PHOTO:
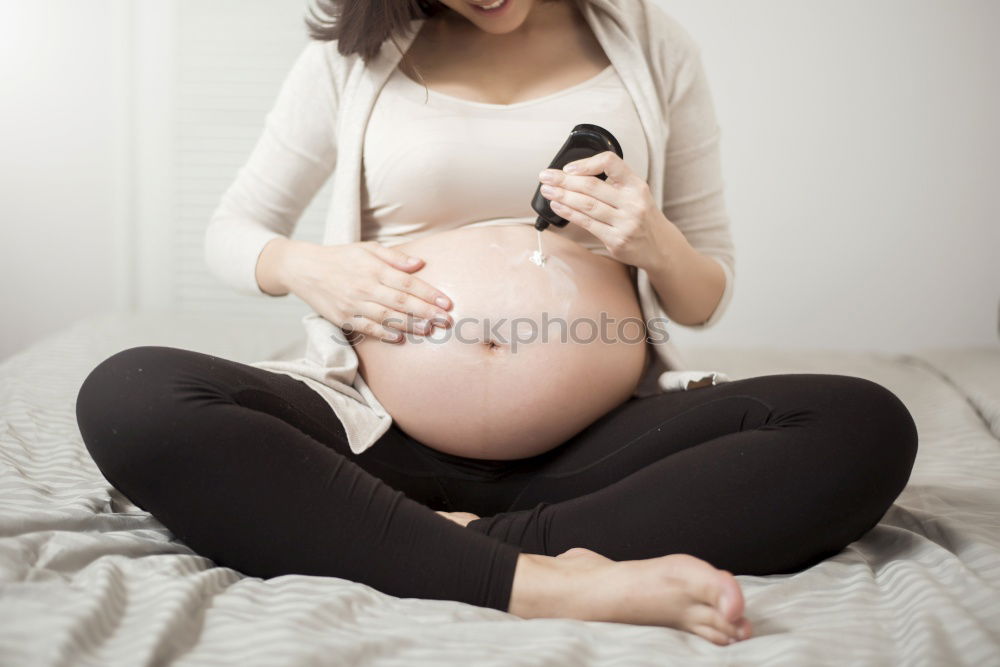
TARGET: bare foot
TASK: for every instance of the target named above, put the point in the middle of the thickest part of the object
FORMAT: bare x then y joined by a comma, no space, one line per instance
461,518
677,591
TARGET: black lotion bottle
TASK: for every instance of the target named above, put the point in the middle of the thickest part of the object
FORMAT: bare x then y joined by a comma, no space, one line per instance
585,140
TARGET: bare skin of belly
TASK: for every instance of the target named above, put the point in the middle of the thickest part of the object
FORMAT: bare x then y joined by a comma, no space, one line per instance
494,385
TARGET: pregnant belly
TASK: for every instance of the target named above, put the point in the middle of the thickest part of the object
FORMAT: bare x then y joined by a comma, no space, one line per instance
536,353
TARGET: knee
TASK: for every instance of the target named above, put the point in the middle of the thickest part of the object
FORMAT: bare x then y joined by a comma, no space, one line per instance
118,382
880,429
116,402
883,414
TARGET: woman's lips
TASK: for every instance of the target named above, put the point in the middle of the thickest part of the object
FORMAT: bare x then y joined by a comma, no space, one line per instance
502,8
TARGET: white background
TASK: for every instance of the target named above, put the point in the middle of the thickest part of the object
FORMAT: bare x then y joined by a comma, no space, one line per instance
860,150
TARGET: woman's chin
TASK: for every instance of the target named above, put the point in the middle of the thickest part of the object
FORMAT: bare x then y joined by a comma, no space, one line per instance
535,354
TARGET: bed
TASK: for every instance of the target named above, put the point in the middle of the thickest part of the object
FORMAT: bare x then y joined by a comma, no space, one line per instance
86,577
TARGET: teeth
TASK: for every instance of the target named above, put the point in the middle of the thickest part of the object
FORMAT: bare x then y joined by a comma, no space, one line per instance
494,5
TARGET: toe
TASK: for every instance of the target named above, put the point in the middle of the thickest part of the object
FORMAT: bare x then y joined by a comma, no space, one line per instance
575,551
730,600
707,616
711,586
743,629
711,634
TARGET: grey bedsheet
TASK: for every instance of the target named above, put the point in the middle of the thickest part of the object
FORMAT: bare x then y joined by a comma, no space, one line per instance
88,578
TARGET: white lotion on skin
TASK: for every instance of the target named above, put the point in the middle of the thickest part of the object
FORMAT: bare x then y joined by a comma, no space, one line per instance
537,257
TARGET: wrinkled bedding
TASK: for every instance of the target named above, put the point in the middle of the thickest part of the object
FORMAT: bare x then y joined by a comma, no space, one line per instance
86,577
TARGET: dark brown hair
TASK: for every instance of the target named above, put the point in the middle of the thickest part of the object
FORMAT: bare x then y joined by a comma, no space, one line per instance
361,26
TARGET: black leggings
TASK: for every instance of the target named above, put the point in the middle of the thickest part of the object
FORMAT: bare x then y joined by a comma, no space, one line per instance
252,469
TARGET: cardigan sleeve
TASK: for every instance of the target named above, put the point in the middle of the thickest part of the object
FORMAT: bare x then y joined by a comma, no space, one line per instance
692,181
293,157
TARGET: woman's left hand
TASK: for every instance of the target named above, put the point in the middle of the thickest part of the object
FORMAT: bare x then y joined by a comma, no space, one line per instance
619,211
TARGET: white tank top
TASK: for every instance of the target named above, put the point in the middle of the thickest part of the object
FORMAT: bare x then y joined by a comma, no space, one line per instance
433,162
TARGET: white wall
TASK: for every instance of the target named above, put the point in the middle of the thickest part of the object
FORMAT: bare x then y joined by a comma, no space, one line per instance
859,151
62,96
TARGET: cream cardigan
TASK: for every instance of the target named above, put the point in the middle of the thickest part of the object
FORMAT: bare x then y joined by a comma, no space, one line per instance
316,128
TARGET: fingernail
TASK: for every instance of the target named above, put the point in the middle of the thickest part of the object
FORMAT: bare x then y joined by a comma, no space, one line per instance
570,168
443,302
413,261
440,321
546,176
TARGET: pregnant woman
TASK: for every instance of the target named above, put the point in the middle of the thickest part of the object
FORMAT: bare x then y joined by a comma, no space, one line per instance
473,421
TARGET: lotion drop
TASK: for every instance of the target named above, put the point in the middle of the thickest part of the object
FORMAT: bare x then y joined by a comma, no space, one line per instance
537,257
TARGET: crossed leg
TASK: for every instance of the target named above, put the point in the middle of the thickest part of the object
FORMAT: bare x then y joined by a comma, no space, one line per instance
763,475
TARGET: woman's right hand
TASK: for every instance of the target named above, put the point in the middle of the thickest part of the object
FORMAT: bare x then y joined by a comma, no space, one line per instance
361,287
